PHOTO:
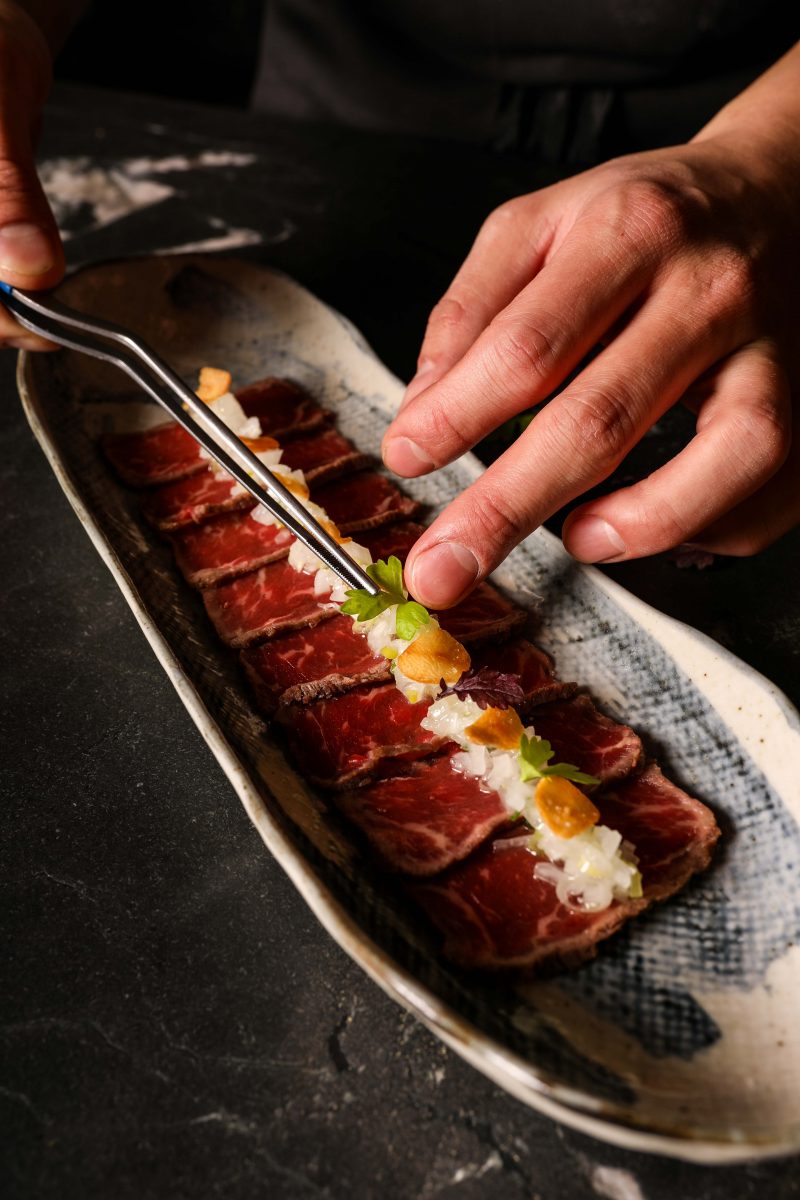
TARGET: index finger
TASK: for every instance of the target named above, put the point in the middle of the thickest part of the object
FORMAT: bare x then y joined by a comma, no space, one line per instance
526,351
572,444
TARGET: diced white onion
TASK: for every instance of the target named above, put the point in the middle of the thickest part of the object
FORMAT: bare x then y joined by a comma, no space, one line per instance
327,581
588,870
231,413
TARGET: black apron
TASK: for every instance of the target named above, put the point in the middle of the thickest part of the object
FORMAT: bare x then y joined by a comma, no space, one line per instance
572,81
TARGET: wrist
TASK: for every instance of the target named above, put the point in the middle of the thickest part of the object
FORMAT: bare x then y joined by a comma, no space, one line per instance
759,163
760,128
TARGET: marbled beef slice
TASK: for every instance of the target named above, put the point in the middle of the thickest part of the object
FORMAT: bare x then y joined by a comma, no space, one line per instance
494,913
166,452
427,818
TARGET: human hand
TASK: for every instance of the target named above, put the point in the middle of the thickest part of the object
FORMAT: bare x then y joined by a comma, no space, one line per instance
683,264
31,255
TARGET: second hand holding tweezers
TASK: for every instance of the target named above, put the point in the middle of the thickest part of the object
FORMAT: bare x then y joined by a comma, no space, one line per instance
42,314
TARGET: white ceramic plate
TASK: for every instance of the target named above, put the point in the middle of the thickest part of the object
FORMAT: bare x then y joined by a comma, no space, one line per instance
682,1036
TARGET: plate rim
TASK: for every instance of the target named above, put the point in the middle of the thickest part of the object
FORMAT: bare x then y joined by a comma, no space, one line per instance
605,1120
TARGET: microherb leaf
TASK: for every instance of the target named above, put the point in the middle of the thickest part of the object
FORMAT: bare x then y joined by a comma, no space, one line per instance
410,617
361,605
568,771
488,688
535,754
388,574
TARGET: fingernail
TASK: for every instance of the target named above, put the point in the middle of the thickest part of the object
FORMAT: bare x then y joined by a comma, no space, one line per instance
591,539
26,249
442,575
405,457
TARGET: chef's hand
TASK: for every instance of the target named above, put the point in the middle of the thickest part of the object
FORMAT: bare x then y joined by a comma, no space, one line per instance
684,264
31,255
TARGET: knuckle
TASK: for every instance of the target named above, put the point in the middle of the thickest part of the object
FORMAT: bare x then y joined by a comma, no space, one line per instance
650,211
496,521
446,315
593,427
723,286
501,220
736,269
442,432
660,526
523,354
762,431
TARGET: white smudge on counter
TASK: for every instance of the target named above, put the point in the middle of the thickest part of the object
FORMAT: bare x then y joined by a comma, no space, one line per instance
110,193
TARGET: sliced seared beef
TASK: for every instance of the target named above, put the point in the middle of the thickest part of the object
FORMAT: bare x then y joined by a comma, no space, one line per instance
585,736
334,657
358,502
351,736
425,819
494,913
323,456
276,598
154,456
284,408
233,543
167,452
265,602
333,758
365,500
420,815
226,546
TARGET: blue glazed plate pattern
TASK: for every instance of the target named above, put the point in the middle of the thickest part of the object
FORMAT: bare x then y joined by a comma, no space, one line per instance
681,1036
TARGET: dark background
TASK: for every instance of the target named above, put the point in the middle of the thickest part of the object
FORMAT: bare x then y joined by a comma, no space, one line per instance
204,51
175,1022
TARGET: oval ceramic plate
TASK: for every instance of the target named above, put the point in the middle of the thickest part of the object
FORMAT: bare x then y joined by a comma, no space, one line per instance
681,1037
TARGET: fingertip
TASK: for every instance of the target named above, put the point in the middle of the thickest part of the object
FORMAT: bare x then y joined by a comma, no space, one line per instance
443,574
405,457
30,255
591,539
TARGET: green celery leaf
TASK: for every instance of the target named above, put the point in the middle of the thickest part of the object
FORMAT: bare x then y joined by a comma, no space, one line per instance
363,607
410,616
389,576
534,753
568,771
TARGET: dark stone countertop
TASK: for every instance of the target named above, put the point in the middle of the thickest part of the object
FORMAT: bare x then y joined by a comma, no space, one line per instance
174,1020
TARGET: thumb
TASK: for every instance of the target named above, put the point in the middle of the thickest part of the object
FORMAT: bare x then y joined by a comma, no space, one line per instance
31,255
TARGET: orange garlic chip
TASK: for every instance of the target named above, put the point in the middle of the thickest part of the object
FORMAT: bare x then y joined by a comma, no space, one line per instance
213,384
563,807
333,529
295,486
500,727
433,655
260,444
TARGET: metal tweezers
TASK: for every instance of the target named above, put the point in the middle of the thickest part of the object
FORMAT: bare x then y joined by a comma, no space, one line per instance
42,314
